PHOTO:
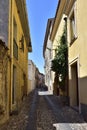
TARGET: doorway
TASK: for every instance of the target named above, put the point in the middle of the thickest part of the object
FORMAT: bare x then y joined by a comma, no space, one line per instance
74,84
14,86
25,85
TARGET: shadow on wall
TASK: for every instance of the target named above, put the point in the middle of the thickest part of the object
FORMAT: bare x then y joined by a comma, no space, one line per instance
78,94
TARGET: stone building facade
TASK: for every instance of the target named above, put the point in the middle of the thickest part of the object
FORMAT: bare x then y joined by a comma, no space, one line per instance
76,19
14,32
31,75
3,81
77,48
56,33
47,54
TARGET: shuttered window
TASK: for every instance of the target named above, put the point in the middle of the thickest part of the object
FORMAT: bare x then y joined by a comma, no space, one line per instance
15,46
15,49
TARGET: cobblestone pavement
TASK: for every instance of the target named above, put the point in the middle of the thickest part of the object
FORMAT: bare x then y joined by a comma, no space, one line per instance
21,121
66,117
41,112
45,116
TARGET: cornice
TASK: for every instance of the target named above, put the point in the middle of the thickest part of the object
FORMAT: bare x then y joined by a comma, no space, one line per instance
69,5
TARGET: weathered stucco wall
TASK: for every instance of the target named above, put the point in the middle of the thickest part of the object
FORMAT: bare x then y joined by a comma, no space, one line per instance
4,15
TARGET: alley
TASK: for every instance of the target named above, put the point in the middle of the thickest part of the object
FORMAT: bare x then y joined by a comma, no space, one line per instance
41,112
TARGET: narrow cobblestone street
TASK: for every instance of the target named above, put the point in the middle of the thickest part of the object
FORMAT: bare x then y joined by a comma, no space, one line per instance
41,112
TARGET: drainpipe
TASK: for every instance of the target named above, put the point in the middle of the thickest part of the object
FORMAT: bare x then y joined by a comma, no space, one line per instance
65,19
11,52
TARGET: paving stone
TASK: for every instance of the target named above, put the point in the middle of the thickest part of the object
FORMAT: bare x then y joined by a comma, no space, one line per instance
41,112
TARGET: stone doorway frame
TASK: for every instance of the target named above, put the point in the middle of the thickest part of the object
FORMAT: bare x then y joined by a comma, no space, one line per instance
76,59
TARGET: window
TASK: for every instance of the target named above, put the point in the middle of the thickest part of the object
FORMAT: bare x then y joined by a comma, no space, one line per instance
15,46
72,19
72,26
15,49
14,30
22,43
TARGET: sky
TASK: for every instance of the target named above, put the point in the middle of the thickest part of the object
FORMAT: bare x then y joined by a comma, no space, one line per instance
39,11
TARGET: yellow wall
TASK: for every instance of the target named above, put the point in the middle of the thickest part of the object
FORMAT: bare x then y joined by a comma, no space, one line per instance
57,39
78,50
21,64
15,10
58,34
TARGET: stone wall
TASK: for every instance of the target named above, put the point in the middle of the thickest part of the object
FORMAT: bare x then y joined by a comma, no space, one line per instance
3,82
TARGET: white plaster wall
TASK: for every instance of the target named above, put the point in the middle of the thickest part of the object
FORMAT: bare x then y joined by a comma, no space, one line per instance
31,75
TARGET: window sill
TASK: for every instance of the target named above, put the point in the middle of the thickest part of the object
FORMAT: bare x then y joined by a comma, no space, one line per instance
73,40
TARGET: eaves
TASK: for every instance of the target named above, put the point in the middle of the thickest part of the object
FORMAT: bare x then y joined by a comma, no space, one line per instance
21,6
59,13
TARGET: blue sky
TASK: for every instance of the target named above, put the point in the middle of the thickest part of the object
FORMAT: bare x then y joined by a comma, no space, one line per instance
38,13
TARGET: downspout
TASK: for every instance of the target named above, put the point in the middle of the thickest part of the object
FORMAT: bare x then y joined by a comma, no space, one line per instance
67,91
11,53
